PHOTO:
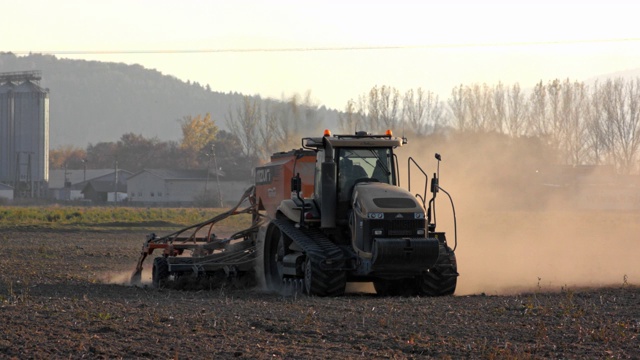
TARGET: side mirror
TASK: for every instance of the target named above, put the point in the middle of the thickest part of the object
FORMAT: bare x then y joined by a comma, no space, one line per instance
435,184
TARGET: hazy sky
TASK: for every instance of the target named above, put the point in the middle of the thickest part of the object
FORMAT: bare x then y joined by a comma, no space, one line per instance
336,49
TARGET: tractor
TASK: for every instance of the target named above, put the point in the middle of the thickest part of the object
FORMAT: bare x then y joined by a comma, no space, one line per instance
329,213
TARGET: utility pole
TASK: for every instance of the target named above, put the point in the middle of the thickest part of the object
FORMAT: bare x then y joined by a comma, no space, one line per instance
115,183
215,163
67,184
84,170
206,183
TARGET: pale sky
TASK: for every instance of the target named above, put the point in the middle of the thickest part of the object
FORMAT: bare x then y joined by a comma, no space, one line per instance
338,50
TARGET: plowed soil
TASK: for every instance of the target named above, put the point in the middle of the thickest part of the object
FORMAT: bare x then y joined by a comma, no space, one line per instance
64,294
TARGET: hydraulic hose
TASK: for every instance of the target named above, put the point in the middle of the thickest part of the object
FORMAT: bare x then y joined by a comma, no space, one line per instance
455,226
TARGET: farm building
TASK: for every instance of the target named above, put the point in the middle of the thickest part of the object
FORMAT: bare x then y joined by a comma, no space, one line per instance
69,184
6,192
182,187
102,191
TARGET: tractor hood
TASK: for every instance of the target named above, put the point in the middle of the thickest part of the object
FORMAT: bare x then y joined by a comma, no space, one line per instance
376,197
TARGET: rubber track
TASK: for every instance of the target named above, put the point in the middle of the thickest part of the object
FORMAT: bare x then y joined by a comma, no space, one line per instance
315,244
442,278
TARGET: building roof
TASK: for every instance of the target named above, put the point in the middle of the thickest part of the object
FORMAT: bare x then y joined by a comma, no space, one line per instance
5,187
104,186
180,174
57,176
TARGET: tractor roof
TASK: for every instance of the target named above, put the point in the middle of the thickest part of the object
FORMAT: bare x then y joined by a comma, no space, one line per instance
359,139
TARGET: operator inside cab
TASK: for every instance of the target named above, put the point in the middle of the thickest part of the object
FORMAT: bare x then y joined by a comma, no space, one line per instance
360,165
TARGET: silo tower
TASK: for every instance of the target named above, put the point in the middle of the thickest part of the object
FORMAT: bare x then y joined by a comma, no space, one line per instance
24,133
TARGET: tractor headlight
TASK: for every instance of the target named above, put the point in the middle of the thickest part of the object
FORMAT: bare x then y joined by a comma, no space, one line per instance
418,215
377,232
420,232
375,215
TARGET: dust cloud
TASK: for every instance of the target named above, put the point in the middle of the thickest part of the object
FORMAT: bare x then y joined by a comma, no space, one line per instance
124,277
514,233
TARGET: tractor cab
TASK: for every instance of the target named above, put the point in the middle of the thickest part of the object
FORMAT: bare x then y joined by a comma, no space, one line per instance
362,165
344,161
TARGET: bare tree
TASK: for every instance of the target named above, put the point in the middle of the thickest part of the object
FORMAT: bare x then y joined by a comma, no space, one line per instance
288,121
298,116
473,99
538,110
598,133
621,106
555,129
499,113
351,120
244,123
422,111
373,107
293,113
310,113
516,123
378,110
481,107
413,112
271,133
389,107
434,109
574,104
458,107
545,113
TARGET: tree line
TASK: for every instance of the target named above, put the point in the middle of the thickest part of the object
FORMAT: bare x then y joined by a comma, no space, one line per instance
201,141
257,129
579,124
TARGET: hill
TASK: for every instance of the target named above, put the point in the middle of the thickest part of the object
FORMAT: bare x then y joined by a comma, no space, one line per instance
92,101
626,74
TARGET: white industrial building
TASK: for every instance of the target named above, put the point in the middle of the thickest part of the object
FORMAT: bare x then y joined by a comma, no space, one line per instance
182,187
72,185
6,193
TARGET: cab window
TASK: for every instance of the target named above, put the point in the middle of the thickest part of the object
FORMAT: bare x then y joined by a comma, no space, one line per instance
368,164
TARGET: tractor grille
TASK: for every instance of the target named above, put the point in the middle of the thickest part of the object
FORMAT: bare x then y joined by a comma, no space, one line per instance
401,228
398,227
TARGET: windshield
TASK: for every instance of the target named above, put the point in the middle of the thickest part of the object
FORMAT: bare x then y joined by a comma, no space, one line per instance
353,164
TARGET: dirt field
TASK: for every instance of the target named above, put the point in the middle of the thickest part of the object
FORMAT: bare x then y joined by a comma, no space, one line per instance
63,295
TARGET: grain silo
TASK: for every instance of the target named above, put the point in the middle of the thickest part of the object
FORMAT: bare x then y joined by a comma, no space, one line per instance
24,133
6,131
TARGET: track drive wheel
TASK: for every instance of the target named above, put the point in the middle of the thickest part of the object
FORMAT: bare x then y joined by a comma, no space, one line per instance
320,282
441,279
160,271
275,248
